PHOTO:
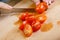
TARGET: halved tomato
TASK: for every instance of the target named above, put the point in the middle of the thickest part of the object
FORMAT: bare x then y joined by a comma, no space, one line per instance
40,8
23,16
36,26
27,30
31,19
45,4
41,18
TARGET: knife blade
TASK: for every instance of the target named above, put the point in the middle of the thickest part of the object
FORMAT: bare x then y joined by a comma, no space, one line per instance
16,10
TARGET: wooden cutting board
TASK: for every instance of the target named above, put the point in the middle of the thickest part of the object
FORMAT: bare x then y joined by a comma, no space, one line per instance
8,31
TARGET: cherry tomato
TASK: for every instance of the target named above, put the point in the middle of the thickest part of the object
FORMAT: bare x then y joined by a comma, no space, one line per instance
30,19
45,4
27,30
42,18
40,8
23,16
36,26
23,25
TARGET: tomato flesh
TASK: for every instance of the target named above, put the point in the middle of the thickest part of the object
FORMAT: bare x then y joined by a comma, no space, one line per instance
40,8
36,26
23,16
27,30
31,19
42,18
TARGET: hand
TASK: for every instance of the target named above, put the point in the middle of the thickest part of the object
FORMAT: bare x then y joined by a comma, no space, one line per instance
5,6
47,1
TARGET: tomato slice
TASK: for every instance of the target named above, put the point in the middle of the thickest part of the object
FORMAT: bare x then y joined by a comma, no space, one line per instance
31,19
27,30
41,18
45,4
23,16
40,8
36,26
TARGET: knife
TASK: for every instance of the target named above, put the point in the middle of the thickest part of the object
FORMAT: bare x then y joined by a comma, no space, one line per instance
5,12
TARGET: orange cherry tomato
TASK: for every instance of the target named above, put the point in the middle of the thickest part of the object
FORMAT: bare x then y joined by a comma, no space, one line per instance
36,26
40,8
42,18
27,30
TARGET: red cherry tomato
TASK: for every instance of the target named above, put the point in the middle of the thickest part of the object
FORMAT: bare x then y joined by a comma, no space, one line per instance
27,30
42,18
36,26
23,16
40,8
30,19
23,25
